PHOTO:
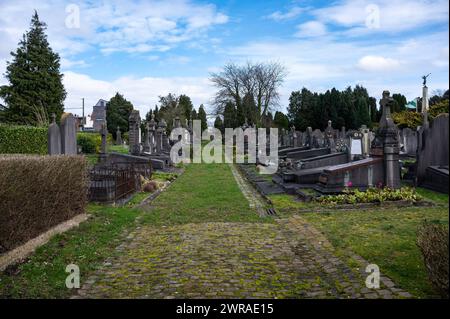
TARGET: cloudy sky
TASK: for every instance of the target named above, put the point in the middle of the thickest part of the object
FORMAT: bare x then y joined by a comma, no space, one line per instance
144,49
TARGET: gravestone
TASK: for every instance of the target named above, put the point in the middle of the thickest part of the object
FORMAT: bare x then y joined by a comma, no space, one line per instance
409,139
386,143
151,131
318,138
134,134
433,146
356,145
119,137
147,138
54,138
104,134
68,134
329,137
365,140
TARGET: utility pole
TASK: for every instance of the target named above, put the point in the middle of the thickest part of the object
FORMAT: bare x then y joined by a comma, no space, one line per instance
83,119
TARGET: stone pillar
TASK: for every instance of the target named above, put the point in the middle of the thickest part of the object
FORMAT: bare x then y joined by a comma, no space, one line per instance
424,99
309,137
68,134
54,137
134,133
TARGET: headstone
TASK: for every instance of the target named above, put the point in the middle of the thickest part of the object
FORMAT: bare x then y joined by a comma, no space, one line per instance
54,138
356,144
151,136
365,140
119,137
147,138
134,133
386,143
329,137
104,134
68,134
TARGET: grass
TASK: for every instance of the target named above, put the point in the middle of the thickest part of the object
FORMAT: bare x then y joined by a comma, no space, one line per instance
43,275
118,149
386,237
205,192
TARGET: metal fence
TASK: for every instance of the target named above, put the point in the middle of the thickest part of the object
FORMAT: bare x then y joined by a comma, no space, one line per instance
114,182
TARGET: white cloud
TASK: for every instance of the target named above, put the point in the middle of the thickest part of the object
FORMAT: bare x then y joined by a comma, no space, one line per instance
311,29
142,92
394,15
290,14
377,63
113,25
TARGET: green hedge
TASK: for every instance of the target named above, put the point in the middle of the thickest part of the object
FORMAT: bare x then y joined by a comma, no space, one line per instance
16,139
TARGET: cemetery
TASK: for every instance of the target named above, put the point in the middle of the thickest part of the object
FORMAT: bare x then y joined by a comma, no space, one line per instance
111,197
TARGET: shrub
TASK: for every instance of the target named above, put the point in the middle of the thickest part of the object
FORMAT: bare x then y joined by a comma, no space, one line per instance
37,193
90,143
15,139
432,240
413,119
371,195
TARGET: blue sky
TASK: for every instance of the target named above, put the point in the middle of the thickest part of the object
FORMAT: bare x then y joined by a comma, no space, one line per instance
148,48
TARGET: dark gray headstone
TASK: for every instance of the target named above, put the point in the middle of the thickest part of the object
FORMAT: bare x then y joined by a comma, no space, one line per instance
54,138
68,134
134,134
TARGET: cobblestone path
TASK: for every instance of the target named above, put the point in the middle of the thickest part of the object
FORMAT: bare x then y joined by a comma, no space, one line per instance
286,258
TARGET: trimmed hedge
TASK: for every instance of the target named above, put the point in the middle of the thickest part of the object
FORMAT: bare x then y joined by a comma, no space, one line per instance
16,139
37,193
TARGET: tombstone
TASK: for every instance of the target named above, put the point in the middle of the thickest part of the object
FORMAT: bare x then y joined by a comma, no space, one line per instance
119,137
386,143
54,137
151,134
134,134
104,134
329,138
318,138
433,147
365,140
146,146
356,145
293,137
68,134
409,139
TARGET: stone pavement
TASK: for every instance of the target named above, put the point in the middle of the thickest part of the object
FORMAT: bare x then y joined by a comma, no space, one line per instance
285,259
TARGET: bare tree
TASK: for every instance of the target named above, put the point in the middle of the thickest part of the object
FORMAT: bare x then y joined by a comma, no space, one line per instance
260,80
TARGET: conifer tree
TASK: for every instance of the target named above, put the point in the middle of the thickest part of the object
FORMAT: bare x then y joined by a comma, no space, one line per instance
35,89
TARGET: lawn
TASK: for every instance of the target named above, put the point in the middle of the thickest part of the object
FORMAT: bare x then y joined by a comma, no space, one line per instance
204,193
386,237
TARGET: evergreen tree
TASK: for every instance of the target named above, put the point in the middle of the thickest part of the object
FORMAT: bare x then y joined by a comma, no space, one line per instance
218,124
281,120
229,115
202,117
240,115
35,89
399,103
186,105
118,110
